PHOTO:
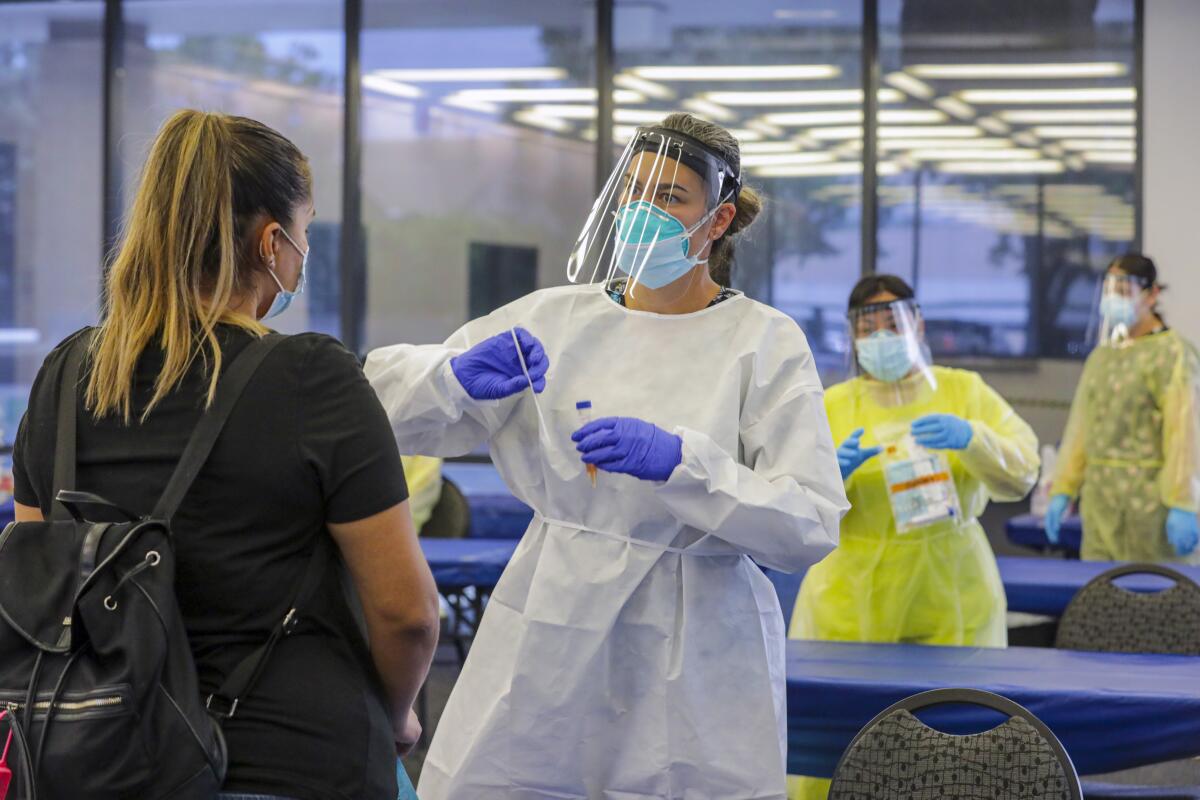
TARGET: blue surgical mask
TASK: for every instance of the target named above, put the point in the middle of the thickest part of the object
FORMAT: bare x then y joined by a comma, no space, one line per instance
884,355
284,298
655,242
1119,310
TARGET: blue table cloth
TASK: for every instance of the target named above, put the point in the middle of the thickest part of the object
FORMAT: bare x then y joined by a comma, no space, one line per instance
1033,585
1029,531
458,563
495,513
1046,585
1093,790
1111,711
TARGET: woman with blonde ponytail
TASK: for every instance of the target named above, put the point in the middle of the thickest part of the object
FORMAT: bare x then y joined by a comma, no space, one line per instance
215,244
632,648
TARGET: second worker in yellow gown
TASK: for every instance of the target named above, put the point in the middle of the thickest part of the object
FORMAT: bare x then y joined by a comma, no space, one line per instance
931,585
1131,451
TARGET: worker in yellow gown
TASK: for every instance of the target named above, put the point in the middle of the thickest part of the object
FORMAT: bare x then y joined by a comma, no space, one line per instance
1131,451
424,477
933,583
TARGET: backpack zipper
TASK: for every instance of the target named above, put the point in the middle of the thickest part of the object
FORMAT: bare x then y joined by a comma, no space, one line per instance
82,705
70,705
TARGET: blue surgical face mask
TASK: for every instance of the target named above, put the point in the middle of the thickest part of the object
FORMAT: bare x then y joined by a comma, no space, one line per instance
652,245
884,355
284,298
1119,310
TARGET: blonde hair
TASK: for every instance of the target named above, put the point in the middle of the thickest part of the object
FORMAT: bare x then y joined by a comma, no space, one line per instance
749,202
184,255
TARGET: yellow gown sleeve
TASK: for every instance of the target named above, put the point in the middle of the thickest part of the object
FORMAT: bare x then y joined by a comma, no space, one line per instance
1179,481
424,477
1003,452
1072,457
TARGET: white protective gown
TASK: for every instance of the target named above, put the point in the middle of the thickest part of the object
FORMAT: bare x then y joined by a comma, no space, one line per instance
631,649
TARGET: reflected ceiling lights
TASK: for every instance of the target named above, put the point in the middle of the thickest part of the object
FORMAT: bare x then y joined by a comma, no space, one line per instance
648,88
1018,96
769,159
972,143
1109,157
560,95
806,119
529,117
1000,167
909,85
997,154
817,170
475,75
779,72
898,132
623,133
1081,131
769,147
1036,116
1106,69
1098,144
708,109
820,97
388,86
635,116
955,108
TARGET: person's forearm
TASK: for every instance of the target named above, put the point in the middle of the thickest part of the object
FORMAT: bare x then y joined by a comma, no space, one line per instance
402,655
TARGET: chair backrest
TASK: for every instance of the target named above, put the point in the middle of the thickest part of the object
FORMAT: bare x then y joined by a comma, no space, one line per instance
1106,618
898,757
451,516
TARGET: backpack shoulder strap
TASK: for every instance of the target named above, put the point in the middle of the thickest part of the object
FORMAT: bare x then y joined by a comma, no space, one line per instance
64,435
223,703
229,389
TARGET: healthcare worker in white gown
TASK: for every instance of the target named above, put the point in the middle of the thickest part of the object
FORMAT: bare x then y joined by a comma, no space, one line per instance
632,649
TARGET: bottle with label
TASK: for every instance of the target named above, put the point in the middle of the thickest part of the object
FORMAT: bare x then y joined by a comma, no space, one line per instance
920,483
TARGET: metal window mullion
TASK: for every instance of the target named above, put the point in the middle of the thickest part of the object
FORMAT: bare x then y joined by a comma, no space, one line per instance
352,299
604,89
870,84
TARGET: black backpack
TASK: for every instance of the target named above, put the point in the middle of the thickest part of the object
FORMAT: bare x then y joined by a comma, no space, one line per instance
96,674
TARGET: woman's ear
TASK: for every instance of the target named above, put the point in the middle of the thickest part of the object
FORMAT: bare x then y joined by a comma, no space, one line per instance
266,244
722,219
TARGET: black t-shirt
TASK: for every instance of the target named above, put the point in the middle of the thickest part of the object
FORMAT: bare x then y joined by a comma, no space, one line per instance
307,443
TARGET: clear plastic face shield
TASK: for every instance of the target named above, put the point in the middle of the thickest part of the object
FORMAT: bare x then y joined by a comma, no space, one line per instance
651,228
1124,299
889,347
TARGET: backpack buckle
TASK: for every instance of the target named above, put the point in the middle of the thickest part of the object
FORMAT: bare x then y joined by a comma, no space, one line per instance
222,713
290,621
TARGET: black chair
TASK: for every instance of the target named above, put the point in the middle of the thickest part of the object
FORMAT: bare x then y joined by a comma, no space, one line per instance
1103,617
897,756
451,516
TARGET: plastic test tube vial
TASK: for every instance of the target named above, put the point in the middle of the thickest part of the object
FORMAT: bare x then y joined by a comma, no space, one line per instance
584,409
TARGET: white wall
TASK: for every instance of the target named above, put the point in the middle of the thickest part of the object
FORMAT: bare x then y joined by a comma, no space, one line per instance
1172,162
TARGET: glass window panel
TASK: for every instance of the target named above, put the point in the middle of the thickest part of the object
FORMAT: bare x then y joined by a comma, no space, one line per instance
277,61
50,187
478,155
785,77
1004,208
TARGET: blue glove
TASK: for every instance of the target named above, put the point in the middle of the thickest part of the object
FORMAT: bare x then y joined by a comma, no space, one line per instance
1183,531
942,432
491,369
632,446
851,455
1054,515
